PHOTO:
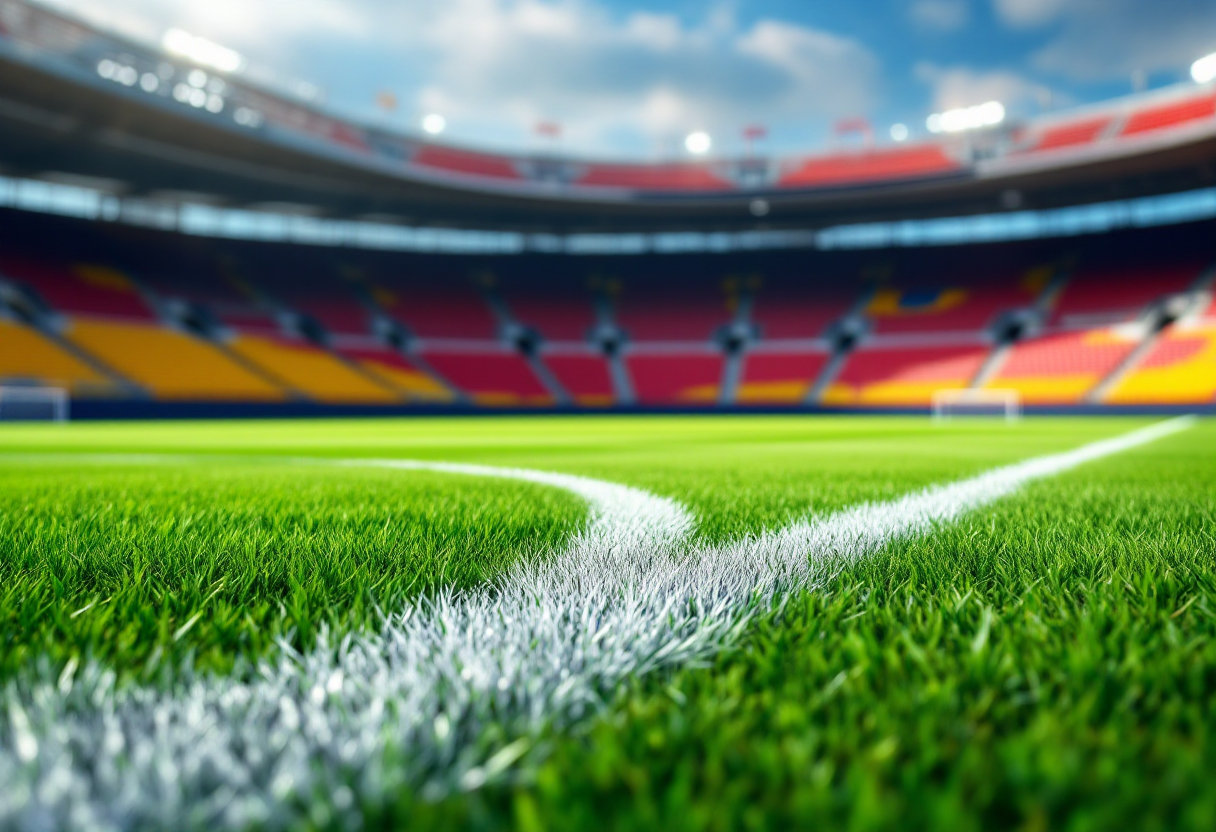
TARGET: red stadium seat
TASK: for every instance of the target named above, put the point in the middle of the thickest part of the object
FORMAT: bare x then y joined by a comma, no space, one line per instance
779,377
1072,134
904,376
583,375
1170,115
492,376
675,378
654,177
466,162
869,166
78,289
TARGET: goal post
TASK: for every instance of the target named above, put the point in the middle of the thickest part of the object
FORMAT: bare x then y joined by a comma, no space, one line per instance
950,404
34,404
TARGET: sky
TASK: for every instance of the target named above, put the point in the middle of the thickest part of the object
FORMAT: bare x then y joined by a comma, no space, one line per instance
630,80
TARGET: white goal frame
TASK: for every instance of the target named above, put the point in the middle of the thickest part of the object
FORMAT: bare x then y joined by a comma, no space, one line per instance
948,404
25,399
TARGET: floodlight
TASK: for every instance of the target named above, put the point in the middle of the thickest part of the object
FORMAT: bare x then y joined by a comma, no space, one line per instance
899,132
202,51
1204,69
967,118
434,124
698,143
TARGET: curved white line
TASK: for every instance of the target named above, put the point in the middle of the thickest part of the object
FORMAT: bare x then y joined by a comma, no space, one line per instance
448,683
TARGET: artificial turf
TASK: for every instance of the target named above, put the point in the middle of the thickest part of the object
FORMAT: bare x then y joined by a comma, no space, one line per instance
1046,663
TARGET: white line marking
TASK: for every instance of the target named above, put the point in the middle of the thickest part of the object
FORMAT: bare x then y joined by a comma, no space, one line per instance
543,647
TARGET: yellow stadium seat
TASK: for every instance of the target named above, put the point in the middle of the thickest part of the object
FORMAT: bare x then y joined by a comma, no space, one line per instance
28,355
1180,369
417,385
312,371
170,364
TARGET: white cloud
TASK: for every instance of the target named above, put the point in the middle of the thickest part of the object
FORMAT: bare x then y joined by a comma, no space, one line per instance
1097,40
958,86
940,15
1026,14
490,63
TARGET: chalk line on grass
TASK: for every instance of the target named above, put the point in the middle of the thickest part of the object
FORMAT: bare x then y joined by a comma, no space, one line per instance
449,693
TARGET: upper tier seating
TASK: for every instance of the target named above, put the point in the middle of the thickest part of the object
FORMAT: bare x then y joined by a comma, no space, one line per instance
491,375
170,364
954,308
396,371
312,371
1062,368
1114,293
674,308
672,177
560,310
904,376
583,374
675,378
787,309
437,306
26,355
869,166
1072,134
1170,115
468,162
78,289
779,377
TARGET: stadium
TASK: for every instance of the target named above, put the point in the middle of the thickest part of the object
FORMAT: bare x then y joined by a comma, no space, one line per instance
353,476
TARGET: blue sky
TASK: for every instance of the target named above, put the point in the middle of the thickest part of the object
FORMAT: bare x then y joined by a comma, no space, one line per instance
628,79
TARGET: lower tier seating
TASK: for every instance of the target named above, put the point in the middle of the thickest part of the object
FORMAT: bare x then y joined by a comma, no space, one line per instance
583,375
779,377
675,378
311,371
397,371
170,364
1179,369
491,375
1062,368
904,376
27,356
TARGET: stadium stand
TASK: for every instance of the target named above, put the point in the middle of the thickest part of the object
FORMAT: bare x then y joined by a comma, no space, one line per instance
396,370
438,300
671,177
871,165
779,376
670,305
583,373
1062,368
29,357
491,375
311,371
557,307
170,364
1180,368
1071,134
671,377
761,329
1169,115
466,162
786,306
905,375
78,289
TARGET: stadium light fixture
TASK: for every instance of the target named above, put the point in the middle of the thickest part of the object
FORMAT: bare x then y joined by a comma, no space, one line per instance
698,143
967,118
1204,69
434,124
899,132
202,51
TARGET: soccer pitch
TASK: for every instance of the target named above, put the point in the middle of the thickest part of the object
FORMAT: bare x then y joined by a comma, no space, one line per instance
609,623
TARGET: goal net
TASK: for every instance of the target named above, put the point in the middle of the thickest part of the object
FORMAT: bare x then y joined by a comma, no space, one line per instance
950,404
33,404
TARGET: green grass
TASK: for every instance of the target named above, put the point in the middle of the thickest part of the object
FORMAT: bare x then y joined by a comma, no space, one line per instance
1047,663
